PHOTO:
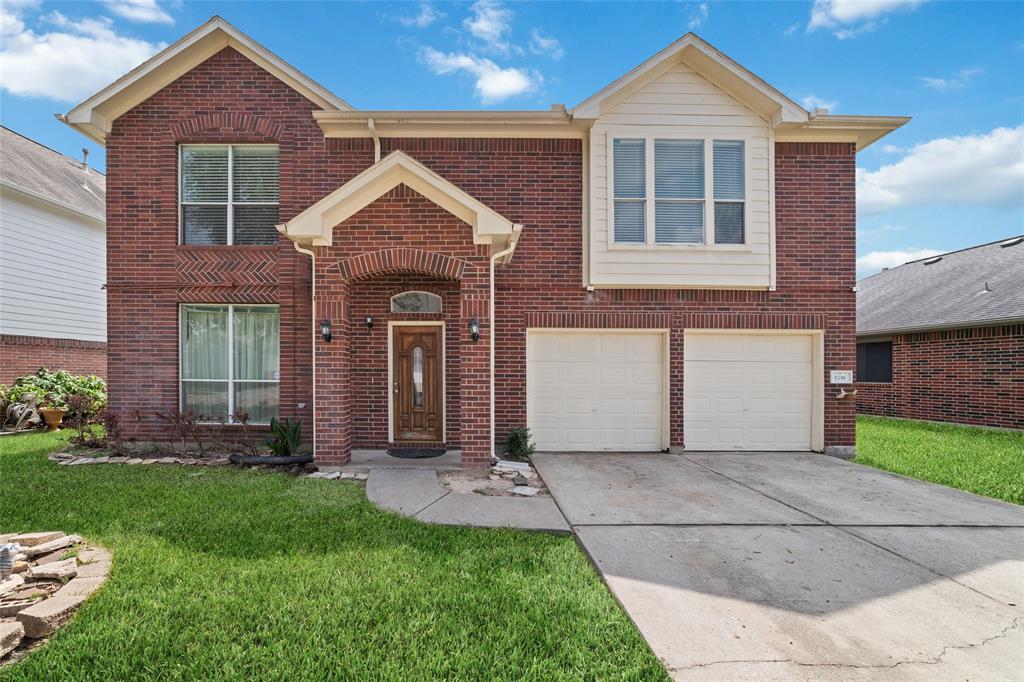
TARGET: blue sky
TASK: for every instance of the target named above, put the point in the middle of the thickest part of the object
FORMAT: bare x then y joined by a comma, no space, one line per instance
951,178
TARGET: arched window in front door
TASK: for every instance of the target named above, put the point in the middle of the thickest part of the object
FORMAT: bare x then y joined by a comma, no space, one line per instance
415,302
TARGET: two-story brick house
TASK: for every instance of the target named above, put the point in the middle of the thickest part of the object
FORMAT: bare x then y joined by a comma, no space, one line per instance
667,265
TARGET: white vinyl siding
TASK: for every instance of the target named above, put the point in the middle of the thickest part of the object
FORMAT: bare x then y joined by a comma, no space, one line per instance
229,194
52,271
230,362
682,105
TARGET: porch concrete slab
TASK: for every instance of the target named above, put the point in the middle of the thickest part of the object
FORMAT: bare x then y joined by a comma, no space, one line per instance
777,602
377,459
845,493
484,511
988,560
653,489
406,491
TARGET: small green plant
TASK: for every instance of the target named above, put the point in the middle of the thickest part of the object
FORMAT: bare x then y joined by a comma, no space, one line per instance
53,389
519,444
286,436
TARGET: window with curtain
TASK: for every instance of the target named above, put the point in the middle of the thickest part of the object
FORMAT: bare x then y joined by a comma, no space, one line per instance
730,191
229,194
416,302
230,362
629,167
681,200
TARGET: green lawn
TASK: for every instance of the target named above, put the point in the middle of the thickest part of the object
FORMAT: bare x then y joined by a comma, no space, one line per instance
227,574
982,461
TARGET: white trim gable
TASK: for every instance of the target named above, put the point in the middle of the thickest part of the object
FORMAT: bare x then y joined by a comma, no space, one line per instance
315,225
94,116
717,67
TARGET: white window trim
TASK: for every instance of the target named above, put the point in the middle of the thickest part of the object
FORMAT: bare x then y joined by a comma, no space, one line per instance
230,381
649,208
231,190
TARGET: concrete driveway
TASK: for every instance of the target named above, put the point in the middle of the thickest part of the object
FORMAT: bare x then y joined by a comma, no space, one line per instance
800,566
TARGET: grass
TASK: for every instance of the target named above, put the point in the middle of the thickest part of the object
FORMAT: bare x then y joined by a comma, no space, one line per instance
981,461
228,574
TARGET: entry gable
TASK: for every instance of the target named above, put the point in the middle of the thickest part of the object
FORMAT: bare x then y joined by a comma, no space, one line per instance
315,225
94,116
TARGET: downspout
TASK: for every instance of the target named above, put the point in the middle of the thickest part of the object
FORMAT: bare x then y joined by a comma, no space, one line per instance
376,139
312,260
517,230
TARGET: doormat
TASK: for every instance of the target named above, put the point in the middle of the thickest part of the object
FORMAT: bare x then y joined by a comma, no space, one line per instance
416,453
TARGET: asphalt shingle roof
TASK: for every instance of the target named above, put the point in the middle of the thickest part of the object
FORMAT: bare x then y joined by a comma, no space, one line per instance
950,292
39,170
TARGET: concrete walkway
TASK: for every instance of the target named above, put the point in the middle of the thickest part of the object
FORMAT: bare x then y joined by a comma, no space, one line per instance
798,566
416,492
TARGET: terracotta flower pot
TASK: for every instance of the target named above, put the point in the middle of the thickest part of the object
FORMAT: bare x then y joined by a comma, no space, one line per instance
53,417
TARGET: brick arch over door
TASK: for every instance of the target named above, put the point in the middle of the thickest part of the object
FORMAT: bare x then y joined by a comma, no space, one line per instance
401,262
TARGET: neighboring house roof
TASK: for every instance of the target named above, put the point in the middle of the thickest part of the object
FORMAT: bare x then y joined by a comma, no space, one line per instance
315,225
36,170
978,286
94,116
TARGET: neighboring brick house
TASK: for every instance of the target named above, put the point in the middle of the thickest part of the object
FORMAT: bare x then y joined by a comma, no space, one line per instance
52,261
942,338
668,265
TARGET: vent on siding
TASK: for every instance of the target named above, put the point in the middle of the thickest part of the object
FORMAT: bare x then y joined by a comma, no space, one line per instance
933,260
1012,242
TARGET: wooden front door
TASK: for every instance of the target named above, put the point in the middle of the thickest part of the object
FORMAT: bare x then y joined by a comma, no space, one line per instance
418,400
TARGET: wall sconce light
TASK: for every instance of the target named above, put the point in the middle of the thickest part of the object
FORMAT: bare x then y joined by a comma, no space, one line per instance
369,322
325,330
474,329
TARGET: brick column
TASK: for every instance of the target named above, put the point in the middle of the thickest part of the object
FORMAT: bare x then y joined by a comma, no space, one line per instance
475,369
332,409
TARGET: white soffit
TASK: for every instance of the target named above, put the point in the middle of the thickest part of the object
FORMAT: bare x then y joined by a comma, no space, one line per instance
315,225
94,116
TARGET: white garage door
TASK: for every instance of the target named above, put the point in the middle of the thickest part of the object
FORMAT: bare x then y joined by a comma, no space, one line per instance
747,391
593,390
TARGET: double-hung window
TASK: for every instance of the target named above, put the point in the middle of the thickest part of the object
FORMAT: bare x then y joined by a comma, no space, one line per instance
230,361
229,194
663,195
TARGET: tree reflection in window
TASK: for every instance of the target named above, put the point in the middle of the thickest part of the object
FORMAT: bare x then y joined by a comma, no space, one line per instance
415,302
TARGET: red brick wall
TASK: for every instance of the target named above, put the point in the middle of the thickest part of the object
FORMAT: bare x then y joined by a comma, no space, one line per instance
534,182
21,355
225,99
967,376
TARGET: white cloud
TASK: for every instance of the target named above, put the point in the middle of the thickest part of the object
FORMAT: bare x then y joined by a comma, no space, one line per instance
698,16
791,30
985,169
489,23
876,260
69,63
953,83
812,102
850,18
425,17
141,11
493,83
542,44
892,149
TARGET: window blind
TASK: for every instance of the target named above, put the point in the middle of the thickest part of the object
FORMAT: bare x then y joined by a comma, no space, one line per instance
678,222
679,169
730,190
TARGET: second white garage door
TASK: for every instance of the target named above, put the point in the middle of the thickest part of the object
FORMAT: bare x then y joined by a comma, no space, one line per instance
749,391
596,390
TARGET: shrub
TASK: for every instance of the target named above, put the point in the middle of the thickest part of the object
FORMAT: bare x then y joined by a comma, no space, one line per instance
56,388
287,436
519,444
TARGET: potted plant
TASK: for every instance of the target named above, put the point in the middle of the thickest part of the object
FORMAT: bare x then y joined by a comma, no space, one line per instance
53,409
285,441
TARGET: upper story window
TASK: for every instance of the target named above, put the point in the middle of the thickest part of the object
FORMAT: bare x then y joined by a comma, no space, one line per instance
665,191
229,194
